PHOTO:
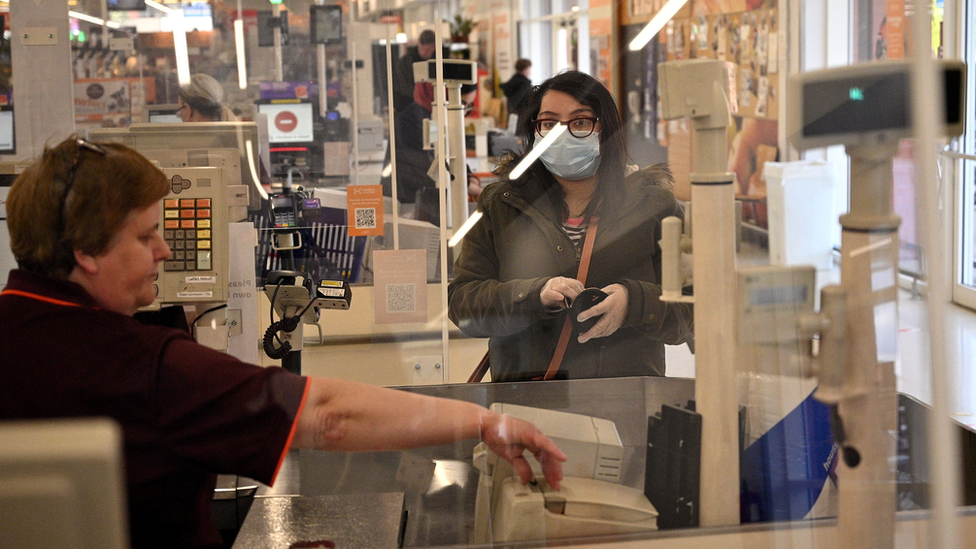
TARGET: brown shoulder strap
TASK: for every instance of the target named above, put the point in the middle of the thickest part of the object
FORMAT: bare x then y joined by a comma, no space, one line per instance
584,267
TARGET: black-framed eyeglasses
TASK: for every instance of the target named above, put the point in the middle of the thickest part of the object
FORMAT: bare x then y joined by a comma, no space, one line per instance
83,145
580,127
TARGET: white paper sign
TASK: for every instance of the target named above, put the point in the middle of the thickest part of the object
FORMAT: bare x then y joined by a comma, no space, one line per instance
243,294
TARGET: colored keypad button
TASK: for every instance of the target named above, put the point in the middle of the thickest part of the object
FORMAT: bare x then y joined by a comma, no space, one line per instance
203,261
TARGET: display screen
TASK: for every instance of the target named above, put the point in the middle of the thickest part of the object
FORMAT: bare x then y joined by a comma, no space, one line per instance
164,117
778,295
452,71
861,104
7,144
326,24
288,122
126,5
855,105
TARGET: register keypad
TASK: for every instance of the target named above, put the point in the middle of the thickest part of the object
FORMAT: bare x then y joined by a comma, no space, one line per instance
186,229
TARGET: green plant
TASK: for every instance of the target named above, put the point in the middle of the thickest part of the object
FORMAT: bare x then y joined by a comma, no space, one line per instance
461,27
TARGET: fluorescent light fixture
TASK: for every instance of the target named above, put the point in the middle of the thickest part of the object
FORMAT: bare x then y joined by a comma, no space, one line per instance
536,151
95,20
241,63
656,24
387,170
464,228
160,7
179,44
401,37
249,147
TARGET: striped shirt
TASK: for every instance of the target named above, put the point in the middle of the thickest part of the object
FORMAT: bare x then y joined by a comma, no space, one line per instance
575,228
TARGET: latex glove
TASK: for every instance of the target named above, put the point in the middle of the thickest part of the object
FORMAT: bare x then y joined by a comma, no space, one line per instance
613,309
558,290
510,437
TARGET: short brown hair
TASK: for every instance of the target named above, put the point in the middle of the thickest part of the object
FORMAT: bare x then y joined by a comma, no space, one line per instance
427,37
522,64
106,188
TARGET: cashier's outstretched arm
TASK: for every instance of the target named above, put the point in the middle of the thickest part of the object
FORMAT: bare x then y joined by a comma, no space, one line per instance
347,416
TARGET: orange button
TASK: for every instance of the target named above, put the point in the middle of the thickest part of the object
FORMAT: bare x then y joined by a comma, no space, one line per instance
171,203
187,214
186,224
171,224
203,203
186,203
203,214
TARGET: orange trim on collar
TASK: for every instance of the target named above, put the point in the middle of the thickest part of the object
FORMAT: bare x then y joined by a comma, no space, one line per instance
39,297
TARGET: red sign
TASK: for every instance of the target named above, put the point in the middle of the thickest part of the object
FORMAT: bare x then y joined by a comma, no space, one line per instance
286,121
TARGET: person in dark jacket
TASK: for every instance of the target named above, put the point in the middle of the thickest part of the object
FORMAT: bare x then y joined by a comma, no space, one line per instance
518,86
413,161
403,81
516,271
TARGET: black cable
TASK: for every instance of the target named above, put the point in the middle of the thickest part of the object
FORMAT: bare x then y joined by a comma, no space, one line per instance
193,327
271,334
286,325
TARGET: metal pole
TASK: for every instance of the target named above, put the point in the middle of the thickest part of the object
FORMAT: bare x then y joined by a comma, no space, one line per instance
279,70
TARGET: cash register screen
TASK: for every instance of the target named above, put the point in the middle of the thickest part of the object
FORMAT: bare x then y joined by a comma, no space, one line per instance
288,122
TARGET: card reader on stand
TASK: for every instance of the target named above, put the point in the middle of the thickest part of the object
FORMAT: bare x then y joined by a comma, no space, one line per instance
294,295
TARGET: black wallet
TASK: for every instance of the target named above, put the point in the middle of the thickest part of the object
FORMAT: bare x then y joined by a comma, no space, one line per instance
586,299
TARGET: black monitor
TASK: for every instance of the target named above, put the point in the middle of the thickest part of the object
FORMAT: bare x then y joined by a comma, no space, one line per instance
289,120
867,104
326,24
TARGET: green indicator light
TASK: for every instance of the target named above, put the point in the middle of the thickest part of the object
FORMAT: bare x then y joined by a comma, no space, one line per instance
275,1
81,36
857,94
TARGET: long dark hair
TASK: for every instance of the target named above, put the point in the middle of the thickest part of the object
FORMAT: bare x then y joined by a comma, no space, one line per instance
613,147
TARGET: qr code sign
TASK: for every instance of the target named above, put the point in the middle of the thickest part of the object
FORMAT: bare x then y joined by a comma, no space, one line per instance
365,218
401,298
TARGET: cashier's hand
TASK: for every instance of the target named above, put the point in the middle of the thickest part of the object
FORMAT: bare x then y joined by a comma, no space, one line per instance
613,309
558,291
510,438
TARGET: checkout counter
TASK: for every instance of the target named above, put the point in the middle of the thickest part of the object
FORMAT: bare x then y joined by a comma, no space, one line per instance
427,497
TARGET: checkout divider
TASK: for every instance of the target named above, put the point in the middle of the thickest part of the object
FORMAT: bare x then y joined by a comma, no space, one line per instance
438,485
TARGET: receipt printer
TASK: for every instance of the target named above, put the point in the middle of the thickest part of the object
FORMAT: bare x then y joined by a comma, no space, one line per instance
589,502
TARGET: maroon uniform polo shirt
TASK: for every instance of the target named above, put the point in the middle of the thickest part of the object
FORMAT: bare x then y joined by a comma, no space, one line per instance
187,412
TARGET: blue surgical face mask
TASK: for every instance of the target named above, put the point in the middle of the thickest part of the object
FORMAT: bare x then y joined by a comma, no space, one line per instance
571,157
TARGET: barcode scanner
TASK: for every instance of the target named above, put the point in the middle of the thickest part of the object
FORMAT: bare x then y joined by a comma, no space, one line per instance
586,299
